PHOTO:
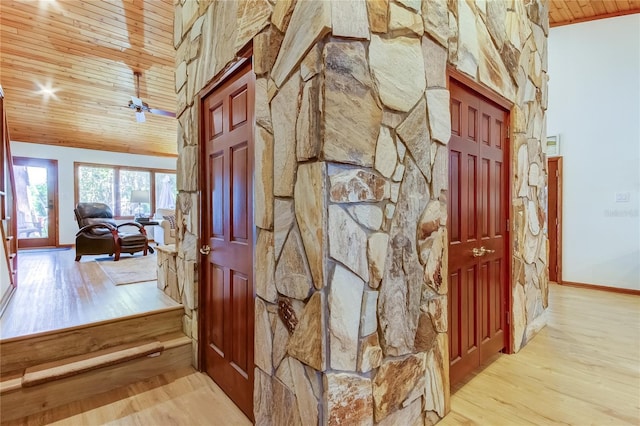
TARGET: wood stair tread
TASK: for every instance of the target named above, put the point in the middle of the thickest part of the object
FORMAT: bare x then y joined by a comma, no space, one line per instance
176,341
78,364
10,383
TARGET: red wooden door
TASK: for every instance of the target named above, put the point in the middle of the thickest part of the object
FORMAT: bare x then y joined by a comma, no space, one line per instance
228,292
478,237
555,219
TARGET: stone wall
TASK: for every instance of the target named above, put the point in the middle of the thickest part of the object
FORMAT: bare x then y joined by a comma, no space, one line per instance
503,44
352,121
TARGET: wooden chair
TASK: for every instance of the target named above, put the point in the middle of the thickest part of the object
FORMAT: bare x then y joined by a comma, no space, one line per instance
99,233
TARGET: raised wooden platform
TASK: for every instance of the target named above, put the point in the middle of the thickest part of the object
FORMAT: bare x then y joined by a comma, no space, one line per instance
69,333
55,292
53,368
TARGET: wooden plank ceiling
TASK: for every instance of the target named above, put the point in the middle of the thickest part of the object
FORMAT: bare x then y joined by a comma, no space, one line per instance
88,50
563,12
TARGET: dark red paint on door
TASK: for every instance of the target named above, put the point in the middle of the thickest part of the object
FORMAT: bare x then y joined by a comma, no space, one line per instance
228,115
478,235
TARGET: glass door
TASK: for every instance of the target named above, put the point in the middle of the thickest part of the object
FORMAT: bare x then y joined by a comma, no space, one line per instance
36,201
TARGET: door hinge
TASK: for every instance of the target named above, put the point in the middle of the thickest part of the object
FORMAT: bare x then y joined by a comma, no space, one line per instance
508,317
557,173
507,225
556,221
508,130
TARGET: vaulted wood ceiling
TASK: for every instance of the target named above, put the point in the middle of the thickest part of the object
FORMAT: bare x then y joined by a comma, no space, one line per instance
88,51
563,12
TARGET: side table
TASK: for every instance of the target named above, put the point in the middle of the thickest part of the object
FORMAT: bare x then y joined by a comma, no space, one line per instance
145,223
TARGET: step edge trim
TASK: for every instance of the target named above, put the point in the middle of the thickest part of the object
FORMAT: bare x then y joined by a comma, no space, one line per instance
92,324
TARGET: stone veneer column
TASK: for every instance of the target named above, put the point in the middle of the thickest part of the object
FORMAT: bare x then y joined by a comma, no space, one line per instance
352,121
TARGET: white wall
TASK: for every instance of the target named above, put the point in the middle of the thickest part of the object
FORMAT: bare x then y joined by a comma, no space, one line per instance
594,105
66,157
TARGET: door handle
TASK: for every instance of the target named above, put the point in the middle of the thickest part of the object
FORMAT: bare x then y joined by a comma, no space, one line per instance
205,249
479,252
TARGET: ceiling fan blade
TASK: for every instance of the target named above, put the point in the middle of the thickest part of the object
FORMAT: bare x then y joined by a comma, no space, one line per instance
162,112
140,117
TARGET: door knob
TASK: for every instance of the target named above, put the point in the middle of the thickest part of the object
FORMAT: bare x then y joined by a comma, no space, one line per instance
478,252
205,249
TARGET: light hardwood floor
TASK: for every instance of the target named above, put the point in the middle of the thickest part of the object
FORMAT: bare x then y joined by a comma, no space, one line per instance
55,292
582,369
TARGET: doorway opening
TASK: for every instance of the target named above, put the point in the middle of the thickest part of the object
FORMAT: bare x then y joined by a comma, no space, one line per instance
555,218
36,201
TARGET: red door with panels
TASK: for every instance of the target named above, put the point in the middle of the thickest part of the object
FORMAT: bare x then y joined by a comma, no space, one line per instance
227,262
478,230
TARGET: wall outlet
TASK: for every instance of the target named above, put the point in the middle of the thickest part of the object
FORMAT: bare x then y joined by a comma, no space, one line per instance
623,197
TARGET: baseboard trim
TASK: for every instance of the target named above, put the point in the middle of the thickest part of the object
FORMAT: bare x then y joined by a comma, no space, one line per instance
601,288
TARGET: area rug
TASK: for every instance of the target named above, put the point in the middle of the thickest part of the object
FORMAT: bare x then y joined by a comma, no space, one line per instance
130,269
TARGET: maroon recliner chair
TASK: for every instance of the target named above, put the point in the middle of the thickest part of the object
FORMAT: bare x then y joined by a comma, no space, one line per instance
99,233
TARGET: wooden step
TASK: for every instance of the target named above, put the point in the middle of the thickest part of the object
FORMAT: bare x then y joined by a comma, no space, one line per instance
54,384
10,383
79,364
22,352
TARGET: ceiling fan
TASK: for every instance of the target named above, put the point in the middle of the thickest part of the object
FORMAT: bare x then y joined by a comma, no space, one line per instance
140,107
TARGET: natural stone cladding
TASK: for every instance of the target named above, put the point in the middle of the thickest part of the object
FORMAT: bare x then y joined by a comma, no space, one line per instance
351,176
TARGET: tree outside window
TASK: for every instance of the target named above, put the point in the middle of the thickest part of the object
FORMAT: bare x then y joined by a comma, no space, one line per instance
96,185
132,180
113,185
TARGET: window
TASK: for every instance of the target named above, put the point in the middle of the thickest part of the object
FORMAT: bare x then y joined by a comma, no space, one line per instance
115,185
97,185
135,180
